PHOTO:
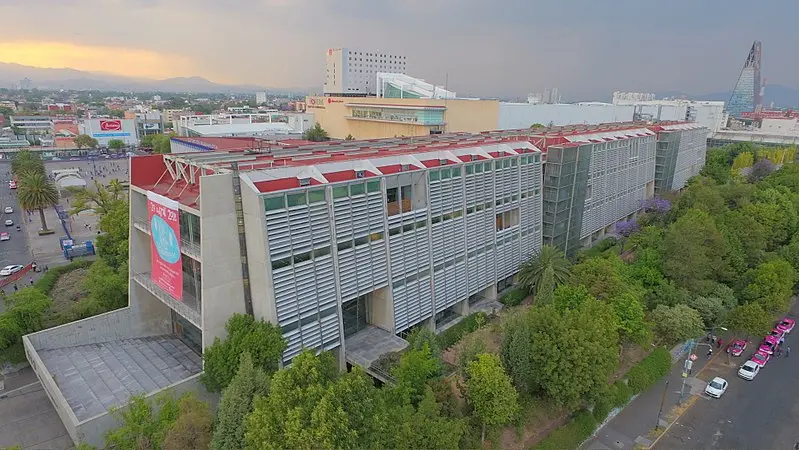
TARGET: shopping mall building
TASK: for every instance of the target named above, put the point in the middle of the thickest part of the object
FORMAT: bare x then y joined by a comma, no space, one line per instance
345,246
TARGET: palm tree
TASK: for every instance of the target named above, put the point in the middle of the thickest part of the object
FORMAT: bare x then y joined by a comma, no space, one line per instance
101,199
26,161
545,271
37,192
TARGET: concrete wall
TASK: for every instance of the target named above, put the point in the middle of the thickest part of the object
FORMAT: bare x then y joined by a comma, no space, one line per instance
110,326
263,296
521,115
92,431
60,404
222,282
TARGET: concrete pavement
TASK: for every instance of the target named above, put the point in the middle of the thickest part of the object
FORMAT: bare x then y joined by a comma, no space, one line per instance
633,425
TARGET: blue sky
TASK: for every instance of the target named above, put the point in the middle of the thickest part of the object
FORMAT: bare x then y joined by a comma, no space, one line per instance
587,48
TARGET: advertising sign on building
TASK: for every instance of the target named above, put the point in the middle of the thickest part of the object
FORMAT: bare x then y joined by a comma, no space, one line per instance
315,102
111,125
165,259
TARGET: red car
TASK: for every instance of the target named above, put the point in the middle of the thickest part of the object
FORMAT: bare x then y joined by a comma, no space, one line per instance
769,344
777,333
760,358
737,347
786,325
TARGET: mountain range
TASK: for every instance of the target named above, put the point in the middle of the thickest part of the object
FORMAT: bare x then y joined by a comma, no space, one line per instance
47,78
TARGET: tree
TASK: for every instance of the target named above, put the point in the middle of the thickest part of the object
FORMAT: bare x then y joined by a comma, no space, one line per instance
84,140
349,138
424,427
545,271
26,308
316,134
676,323
537,125
236,404
112,244
261,339
750,319
160,143
694,249
193,426
760,170
711,309
25,162
774,209
603,277
108,289
414,369
422,336
490,392
116,144
36,192
630,318
702,194
771,284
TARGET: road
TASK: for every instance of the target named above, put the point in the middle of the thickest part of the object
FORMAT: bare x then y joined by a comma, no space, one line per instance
762,413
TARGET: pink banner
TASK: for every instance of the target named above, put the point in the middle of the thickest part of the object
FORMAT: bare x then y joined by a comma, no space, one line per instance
167,270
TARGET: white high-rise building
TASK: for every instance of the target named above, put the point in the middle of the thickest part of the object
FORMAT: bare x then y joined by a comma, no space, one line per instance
354,72
260,98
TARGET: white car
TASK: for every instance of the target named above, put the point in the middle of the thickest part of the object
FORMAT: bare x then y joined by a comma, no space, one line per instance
5,237
10,270
9,222
749,370
716,387
9,210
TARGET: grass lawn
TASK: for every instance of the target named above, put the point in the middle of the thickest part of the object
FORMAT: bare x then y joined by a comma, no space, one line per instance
67,291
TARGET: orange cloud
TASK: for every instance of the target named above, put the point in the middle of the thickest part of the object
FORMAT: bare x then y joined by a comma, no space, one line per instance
116,60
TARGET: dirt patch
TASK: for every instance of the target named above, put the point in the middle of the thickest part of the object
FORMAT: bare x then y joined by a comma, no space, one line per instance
68,291
630,356
539,418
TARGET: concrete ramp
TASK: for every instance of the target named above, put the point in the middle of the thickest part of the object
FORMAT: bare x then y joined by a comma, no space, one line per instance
94,378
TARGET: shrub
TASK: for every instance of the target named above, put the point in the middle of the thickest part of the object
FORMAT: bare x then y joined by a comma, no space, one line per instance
651,369
570,435
14,354
513,297
620,393
454,333
47,281
386,362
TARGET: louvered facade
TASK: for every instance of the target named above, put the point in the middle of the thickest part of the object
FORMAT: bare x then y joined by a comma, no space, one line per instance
418,242
681,153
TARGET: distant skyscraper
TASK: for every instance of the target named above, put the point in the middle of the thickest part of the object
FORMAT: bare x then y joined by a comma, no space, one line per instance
260,98
747,95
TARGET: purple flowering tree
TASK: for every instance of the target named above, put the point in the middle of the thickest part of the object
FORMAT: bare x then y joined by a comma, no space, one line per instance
761,169
627,227
657,205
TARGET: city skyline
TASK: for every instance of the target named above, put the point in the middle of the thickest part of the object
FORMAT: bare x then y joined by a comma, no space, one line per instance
585,49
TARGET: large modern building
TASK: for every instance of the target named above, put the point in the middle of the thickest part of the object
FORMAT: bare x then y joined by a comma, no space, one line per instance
747,95
105,130
346,246
32,124
354,72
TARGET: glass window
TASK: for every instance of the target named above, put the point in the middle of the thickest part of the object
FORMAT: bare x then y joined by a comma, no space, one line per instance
434,175
340,192
392,195
457,213
344,245
478,168
445,174
435,220
407,228
302,257
320,252
469,170
273,203
316,196
281,263
357,189
421,224
295,199
447,216
456,172
376,236
361,240
394,231
505,163
405,194
373,186
514,162
470,210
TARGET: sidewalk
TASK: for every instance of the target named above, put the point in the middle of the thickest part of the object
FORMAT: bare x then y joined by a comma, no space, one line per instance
632,426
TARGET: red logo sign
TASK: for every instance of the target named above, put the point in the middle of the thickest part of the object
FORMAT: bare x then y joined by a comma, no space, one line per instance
111,125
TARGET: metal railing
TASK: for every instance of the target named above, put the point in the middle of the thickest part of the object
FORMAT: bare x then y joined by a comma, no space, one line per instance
189,306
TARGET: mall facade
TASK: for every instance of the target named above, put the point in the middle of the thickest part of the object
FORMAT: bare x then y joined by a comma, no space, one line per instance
346,246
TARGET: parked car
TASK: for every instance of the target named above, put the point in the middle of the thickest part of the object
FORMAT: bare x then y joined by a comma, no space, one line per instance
737,347
769,344
12,184
786,325
9,223
10,270
9,210
749,370
5,236
777,333
717,387
760,358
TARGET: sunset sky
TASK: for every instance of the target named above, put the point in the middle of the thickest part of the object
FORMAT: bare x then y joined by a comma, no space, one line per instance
503,47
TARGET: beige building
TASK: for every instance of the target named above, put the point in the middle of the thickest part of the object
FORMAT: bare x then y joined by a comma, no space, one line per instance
375,118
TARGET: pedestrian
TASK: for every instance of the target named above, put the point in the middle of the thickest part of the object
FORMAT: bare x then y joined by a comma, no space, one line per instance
15,287
787,351
782,341
30,279
46,268
713,339
719,344
709,352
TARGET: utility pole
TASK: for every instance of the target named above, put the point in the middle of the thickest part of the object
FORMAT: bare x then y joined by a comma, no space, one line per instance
662,400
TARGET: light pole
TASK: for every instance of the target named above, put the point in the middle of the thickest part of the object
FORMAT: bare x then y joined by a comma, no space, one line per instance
689,361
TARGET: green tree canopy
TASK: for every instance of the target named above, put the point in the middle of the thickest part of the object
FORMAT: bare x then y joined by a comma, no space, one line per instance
261,339
749,319
490,392
316,134
236,404
545,271
676,323
25,162
85,141
37,192
116,144
694,249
